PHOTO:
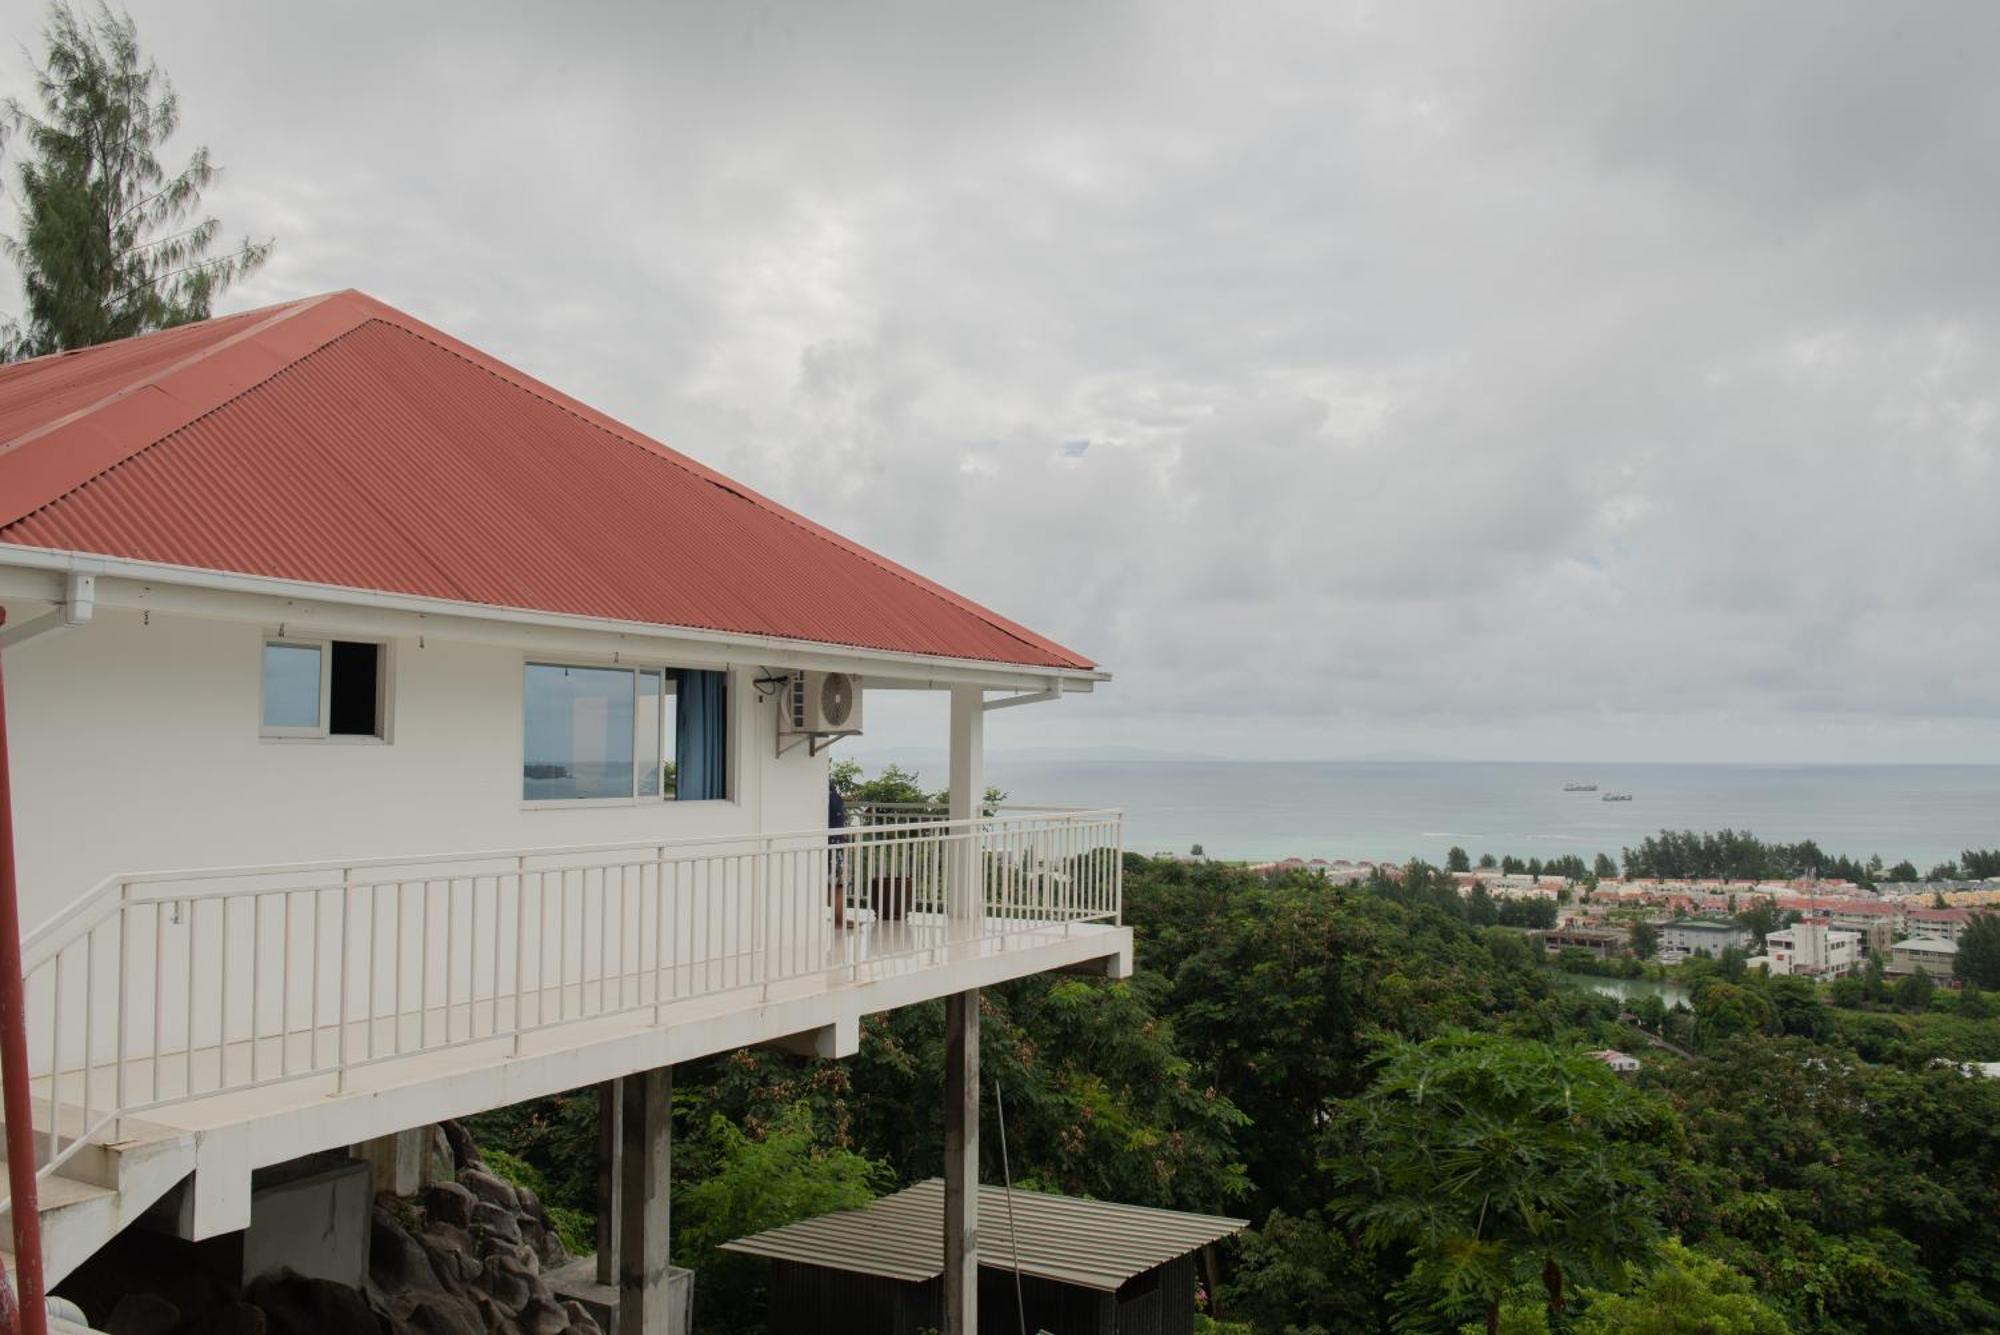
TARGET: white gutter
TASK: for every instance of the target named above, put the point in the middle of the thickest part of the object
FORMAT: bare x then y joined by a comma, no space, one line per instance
79,600
131,585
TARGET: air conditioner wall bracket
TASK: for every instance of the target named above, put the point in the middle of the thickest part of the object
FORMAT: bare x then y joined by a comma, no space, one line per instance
816,742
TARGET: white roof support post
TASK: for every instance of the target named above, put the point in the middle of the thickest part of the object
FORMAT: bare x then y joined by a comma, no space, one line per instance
965,891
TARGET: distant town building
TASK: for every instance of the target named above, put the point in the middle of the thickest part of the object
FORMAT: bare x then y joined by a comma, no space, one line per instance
1945,924
1603,942
1685,937
1622,1062
1813,950
1934,955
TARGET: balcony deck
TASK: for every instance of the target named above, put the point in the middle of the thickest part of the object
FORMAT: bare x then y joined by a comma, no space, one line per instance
259,1014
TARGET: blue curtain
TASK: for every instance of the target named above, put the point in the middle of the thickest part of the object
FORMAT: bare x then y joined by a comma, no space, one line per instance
702,728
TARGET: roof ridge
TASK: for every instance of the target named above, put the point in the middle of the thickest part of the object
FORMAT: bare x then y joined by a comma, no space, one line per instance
611,426
280,312
161,332
111,453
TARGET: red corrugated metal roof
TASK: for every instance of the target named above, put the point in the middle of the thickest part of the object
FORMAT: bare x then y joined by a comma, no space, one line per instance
338,441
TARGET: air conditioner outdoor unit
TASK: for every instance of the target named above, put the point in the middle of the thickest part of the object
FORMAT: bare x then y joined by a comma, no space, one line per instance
823,704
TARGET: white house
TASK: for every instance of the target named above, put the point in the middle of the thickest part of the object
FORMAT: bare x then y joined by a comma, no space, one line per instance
1813,950
1684,937
394,737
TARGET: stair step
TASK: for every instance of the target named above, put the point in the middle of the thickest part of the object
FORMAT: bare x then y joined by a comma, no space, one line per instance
58,1192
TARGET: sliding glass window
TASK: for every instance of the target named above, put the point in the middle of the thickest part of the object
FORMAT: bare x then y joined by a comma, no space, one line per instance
596,733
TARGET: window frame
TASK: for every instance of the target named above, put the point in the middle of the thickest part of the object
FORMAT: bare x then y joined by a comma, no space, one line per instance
321,731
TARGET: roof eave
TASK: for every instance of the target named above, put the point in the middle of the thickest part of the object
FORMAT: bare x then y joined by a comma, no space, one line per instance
240,596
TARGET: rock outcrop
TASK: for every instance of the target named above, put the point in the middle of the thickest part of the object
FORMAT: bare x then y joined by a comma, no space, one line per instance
468,1255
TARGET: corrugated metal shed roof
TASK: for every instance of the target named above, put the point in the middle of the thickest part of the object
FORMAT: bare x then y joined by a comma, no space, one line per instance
1092,1244
341,442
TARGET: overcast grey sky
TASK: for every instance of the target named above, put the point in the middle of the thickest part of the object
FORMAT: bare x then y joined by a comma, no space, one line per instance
1488,380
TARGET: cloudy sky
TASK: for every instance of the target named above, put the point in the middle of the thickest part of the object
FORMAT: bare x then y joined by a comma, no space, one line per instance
1567,381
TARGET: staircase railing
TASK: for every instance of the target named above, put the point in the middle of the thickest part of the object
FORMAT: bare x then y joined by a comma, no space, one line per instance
161,988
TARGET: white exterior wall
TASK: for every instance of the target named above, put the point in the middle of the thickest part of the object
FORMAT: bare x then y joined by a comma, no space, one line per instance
135,748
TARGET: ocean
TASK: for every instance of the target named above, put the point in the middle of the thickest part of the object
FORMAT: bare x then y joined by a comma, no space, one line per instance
1396,811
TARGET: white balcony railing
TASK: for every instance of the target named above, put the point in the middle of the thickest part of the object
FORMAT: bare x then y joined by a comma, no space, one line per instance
162,988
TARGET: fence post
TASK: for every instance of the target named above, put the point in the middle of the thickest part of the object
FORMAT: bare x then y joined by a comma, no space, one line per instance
346,967
124,968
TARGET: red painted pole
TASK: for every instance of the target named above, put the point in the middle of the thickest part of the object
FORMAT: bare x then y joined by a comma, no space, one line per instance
33,1314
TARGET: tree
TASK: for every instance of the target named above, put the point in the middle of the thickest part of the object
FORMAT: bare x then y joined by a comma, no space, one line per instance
1686,1294
1604,868
1905,870
1761,917
1876,980
1196,852
752,1183
1487,862
1479,907
1303,1273
1914,991
1645,940
1796,1007
1500,1163
110,244
1732,964
1725,1010
1457,860
1979,952
1944,871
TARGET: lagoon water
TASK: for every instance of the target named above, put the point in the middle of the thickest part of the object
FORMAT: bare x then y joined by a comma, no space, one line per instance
1626,989
1262,809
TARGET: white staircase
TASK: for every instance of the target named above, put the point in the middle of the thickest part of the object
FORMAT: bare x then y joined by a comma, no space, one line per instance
98,1191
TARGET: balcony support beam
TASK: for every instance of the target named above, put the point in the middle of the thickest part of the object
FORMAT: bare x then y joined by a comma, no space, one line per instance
961,1163
610,1134
645,1153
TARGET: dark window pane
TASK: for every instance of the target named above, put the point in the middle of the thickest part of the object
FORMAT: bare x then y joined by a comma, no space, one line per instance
354,695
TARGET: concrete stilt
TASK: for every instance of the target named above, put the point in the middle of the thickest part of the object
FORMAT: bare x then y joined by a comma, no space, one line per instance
645,1159
610,1117
396,1160
961,1163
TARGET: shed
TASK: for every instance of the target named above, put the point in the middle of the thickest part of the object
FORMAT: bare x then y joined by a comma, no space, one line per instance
1086,1267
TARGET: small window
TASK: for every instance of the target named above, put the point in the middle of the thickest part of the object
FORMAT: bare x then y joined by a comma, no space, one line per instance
322,688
